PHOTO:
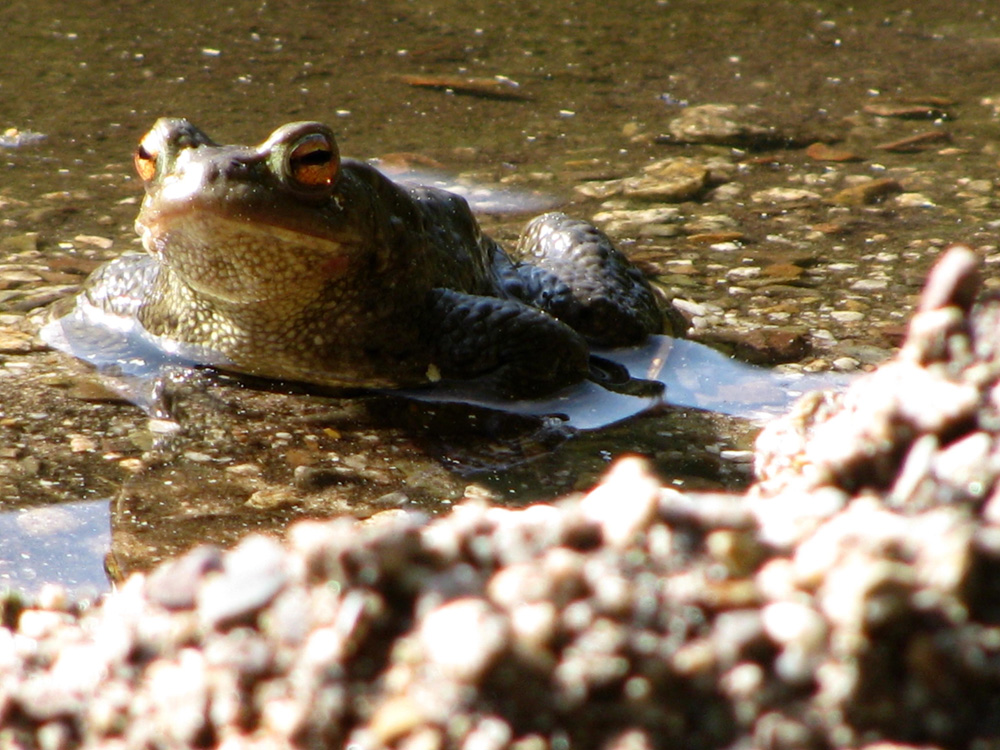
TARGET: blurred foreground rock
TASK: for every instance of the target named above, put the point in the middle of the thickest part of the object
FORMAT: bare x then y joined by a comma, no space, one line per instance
851,599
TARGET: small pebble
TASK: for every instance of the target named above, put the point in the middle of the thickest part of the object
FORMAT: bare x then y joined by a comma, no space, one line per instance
252,575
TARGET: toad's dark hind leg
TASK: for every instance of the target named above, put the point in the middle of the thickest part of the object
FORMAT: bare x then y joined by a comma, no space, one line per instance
569,268
524,351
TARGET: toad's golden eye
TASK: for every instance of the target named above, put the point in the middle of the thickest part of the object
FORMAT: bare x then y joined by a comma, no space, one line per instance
145,162
313,161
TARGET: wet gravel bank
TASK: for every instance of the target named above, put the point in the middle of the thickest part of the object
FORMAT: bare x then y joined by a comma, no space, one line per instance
848,599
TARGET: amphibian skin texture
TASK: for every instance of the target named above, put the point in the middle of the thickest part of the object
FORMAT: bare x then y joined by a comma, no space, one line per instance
285,261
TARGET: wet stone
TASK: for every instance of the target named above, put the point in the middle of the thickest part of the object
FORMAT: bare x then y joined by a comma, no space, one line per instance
869,285
847,316
104,243
271,498
13,278
709,224
917,142
914,200
671,180
763,346
32,299
868,192
845,364
825,152
15,342
784,195
743,126
979,186
715,239
779,272
659,221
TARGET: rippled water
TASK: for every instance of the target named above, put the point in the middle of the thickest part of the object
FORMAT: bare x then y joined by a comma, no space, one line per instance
596,88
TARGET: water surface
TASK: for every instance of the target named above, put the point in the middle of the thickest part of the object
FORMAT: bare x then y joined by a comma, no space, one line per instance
596,89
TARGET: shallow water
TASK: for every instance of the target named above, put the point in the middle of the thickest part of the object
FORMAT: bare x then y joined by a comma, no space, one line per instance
65,543
597,89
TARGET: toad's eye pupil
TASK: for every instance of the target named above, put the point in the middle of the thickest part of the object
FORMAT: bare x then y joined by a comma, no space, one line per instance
313,163
313,158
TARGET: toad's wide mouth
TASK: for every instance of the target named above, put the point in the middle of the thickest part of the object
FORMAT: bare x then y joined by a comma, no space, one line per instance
214,227
288,221
239,261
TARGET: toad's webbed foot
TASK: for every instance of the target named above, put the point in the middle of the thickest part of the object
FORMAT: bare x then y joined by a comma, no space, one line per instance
570,269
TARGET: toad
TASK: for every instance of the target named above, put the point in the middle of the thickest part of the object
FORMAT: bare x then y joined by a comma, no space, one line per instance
286,261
